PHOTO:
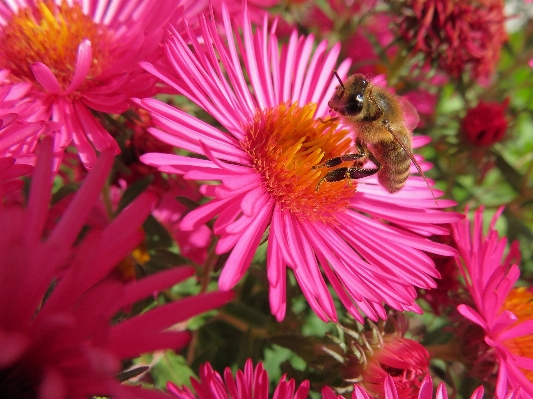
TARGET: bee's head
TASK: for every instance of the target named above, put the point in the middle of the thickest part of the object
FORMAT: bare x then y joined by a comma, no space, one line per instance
348,98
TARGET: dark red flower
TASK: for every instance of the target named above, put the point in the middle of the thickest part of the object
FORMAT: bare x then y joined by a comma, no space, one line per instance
485,124
459,35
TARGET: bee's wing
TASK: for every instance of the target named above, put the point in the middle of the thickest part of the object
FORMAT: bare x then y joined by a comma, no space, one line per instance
410,114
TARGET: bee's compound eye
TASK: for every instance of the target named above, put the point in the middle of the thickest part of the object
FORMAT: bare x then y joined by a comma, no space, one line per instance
355,105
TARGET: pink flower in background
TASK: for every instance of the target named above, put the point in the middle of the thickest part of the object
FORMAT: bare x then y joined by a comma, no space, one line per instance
250,384
406,360
77,57
426,392
58,303
485,124
460,36
503,312
264,160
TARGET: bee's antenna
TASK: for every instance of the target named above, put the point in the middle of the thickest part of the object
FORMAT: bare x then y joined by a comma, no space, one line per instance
339,79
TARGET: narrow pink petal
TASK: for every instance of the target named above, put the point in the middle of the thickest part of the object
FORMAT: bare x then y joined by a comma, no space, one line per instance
390,388
100,138
40,192
277,277
45,77
127,346
227,216
145,287
66,231
277,229
442,393
324,75
426,389
242,254
310,78
83,63
303,55
359,393
478,393
471,315
165,316
203,214
15,170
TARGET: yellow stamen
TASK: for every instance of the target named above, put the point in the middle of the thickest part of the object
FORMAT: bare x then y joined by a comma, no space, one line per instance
285,143
51,34
520,302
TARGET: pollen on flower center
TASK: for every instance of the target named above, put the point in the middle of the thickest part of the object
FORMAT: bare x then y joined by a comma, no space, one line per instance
285,143
51,34
520,302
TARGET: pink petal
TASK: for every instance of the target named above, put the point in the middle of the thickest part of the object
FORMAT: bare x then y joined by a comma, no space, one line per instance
45,77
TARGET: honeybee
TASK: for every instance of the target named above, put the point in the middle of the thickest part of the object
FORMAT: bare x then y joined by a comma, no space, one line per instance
382,135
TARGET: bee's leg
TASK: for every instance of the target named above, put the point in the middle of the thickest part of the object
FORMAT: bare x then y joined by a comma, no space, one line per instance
330,163
346,173
328,120
375,161
345,158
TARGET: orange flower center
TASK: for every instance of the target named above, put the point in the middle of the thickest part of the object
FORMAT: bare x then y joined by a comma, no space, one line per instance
51,34
285,143
520,302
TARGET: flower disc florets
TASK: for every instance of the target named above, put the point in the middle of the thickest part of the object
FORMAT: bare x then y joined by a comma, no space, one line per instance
51,34
285,143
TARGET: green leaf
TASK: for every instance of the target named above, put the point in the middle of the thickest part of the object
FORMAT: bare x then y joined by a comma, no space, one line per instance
171,367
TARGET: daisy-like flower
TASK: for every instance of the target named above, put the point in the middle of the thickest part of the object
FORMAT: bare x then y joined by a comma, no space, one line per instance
503,312
426,392
369,355
251,384
58,303
460,35
75,57
485,124
273,106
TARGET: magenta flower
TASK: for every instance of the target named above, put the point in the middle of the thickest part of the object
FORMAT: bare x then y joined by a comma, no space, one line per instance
485,124
505,313
369,244
426,392
57,301
251,384
77,57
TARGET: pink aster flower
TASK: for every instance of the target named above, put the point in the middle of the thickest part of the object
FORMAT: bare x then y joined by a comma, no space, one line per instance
368,243
504,313
251,384
485,124
77,57
58,303
426,392
460,36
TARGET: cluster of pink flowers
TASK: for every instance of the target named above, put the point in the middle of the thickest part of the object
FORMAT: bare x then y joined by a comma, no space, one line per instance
232,163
